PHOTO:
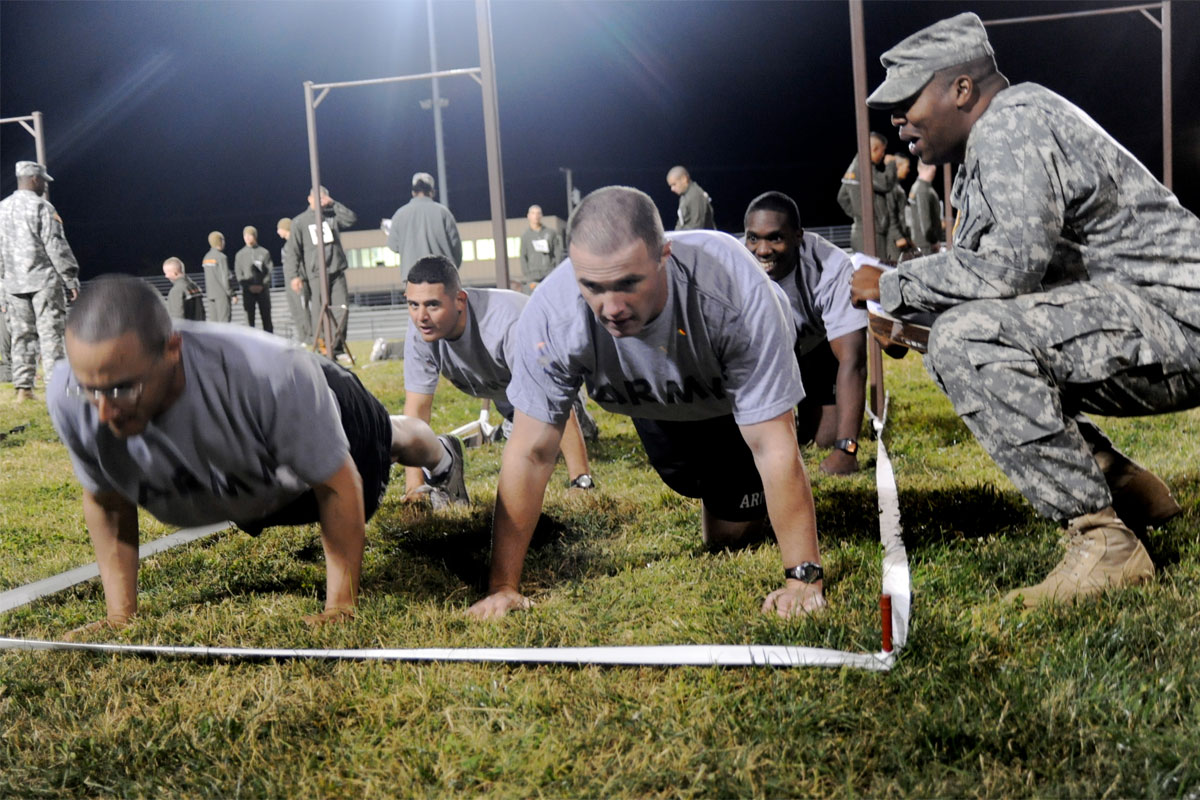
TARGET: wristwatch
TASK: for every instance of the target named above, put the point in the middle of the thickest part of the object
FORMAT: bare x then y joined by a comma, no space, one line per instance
808,572
846,446
584,481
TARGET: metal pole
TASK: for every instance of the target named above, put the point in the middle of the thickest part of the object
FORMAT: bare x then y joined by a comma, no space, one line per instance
437,111
314,163
491,129
39,145
570,190
1168,145
866,186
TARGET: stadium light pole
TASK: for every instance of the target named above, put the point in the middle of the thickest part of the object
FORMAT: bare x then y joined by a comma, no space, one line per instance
444,188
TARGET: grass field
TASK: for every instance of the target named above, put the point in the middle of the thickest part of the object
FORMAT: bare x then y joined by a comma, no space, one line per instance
1099,700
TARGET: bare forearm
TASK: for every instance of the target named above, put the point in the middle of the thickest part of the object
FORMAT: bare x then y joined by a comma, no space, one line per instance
519,497
343,527
113,527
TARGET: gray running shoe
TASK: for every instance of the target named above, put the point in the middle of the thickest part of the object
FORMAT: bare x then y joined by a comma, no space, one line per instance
451,488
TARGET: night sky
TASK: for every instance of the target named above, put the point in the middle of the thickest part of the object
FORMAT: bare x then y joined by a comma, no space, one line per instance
167,120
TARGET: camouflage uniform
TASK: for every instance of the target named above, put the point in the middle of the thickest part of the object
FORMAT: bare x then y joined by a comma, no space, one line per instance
1073,286
849,198
36,265
5,340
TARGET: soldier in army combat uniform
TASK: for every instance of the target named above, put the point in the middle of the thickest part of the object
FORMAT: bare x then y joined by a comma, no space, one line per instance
1071,287
186,299
38,273
216,280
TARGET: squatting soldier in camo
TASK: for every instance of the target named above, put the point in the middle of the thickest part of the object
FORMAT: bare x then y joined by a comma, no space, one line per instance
1072,287
36,268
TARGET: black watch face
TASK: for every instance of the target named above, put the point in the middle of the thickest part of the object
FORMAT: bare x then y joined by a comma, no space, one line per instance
582,482
847,445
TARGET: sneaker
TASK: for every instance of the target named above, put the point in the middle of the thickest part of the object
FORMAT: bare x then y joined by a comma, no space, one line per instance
24,394
1102,554
451,488
379,349
1139,497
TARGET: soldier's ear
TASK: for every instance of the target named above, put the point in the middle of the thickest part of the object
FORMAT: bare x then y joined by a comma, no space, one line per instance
964,90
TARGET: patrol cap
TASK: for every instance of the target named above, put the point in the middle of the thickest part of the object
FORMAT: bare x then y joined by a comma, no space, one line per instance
912,63
284,224
250,230
32,169
216,238
422,177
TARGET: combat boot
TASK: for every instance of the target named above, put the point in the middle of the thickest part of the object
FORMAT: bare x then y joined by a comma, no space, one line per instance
1139,497
1102,553
24,394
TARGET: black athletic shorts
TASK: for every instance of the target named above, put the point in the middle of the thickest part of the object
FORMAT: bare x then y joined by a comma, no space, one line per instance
368,428
818,374
708,459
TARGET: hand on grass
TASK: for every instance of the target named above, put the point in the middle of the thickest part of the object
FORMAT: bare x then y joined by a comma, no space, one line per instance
795,599
497,604
839,462
329,616
113,622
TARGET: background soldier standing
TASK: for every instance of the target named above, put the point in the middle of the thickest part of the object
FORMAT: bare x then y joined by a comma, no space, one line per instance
186,299
252,267
541,249
216,280
36,268
296,289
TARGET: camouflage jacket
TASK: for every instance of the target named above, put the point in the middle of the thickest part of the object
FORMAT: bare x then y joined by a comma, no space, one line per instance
1046,197
33,248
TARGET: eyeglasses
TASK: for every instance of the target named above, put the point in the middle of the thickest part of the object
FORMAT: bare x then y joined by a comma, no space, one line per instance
121,394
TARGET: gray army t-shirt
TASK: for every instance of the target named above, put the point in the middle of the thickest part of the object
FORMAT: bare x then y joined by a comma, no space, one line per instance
818,292
255,427
722,344
478,362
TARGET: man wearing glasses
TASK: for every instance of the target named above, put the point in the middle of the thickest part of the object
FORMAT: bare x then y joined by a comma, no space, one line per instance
196,423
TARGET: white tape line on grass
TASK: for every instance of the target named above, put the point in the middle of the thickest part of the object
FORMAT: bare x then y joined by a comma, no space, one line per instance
895,584
897,581
694,655
22,595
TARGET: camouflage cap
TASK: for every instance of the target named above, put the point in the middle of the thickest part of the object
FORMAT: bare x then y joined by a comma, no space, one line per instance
32,169
284,224
912,63
422,177
216,239
250,230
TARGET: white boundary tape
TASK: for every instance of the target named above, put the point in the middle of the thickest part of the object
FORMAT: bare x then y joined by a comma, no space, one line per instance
23,595
896,584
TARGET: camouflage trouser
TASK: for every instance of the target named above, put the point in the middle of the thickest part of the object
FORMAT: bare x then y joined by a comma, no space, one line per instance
1020,373
5,343
36,319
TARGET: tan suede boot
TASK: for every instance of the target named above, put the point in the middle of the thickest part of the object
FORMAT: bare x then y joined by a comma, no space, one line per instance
1102,553
1139,497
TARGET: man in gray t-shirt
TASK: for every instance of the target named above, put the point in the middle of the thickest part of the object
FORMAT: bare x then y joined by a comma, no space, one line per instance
468,336
687,335
197,424
831,342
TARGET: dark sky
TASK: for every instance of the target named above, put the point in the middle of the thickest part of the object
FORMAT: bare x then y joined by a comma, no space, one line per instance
167,120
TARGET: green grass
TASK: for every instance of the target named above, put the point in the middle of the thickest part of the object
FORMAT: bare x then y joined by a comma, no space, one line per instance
1096,700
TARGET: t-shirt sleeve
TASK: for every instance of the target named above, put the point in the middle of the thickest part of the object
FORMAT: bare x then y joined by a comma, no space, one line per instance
420,369
306,432
69,417
759,359
543,382
838,314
